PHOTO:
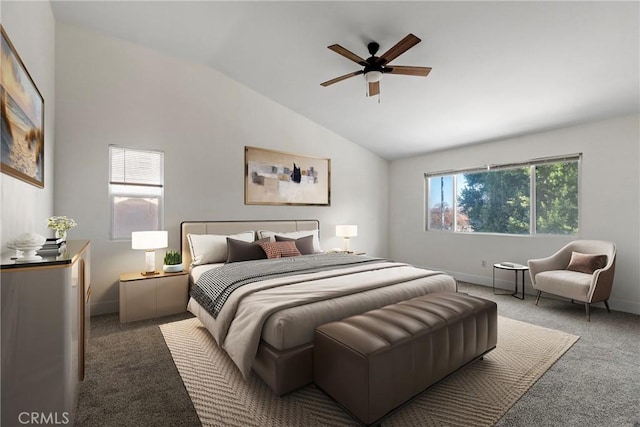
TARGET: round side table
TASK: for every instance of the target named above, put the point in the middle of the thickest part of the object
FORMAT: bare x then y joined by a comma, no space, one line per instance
512,266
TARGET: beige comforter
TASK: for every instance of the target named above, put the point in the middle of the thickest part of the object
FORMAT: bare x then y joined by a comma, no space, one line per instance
239,324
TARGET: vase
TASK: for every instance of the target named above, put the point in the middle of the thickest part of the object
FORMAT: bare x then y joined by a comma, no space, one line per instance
61,234
173,268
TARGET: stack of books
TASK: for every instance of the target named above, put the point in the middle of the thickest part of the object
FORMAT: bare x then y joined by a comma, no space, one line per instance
52,247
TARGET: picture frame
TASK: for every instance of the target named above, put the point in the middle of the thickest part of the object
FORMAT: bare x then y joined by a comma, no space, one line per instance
22,118
280,178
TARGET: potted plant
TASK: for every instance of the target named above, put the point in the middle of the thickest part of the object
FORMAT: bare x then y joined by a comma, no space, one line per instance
172,262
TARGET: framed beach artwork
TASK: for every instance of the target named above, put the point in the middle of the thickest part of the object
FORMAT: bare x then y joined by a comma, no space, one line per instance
22,110
278,178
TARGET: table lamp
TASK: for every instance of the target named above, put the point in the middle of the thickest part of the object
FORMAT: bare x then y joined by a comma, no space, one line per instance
346,231
149,241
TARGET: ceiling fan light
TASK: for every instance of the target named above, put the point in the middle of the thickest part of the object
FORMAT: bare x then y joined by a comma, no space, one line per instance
373,76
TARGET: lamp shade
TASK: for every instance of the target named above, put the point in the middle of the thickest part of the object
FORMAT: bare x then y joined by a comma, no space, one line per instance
149,240
346,230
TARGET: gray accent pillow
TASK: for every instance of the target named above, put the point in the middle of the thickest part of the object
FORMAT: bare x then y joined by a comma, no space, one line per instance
237,250
304,244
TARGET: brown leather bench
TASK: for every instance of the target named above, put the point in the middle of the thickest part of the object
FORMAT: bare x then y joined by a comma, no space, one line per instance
374,362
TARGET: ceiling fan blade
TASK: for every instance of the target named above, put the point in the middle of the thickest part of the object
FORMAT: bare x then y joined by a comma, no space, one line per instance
374,88
409,71
341,78
347,54
401,47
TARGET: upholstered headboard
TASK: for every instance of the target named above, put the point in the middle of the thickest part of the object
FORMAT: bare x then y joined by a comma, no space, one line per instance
233,227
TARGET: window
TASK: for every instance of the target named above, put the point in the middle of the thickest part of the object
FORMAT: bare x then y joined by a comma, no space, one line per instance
136,179
557,198
441,202
536,197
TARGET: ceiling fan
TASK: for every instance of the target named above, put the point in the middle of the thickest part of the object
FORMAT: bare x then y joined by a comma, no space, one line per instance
376,66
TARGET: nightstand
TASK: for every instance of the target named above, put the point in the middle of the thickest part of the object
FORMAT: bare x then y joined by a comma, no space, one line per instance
146,297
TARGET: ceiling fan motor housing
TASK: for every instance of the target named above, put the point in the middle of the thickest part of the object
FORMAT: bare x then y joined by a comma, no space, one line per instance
373,48
373,67
373,70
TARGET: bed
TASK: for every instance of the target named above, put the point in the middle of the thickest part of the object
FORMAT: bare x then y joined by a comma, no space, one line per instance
267,324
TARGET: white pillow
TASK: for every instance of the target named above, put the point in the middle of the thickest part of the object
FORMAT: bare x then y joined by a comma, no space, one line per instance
293,235
211,248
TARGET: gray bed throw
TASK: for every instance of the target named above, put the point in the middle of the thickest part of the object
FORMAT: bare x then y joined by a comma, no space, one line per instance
214,286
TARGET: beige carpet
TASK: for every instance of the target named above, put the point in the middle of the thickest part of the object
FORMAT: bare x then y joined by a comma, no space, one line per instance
477,395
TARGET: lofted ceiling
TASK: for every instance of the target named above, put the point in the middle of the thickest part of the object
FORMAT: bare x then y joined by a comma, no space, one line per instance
500,69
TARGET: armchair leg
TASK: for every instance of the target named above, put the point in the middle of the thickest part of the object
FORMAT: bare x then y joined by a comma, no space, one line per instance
586,306
606,304
538,297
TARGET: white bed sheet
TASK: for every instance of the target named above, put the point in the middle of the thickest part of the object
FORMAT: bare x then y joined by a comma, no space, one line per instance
199,270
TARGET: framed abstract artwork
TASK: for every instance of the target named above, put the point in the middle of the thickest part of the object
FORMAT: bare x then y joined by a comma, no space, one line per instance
22,111
278,178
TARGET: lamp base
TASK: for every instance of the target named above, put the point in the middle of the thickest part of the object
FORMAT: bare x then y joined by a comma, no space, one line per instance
150,263
149,273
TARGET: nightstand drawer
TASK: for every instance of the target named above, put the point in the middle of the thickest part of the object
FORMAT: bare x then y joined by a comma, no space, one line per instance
171,295
137,300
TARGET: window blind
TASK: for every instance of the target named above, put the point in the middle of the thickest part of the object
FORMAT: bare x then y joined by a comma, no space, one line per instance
129,166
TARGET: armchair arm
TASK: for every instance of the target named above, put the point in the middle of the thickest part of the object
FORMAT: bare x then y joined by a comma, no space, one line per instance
601,283
553,262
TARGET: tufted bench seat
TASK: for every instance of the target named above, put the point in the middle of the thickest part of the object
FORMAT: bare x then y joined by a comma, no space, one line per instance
374,362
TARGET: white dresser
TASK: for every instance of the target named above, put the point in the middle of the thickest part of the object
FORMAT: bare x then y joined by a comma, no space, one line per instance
45,330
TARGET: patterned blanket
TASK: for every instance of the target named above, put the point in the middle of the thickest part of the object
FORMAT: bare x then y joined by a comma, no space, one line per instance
215,286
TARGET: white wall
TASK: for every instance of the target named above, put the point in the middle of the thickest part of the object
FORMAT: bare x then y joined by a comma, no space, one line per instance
31,28
114,92
609,205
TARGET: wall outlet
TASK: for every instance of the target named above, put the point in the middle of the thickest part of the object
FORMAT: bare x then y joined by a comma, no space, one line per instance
484,263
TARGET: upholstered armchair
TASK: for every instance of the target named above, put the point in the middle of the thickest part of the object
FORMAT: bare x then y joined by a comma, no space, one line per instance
581,271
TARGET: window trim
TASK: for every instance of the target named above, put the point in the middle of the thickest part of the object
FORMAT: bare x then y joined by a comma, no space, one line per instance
576,157
489,167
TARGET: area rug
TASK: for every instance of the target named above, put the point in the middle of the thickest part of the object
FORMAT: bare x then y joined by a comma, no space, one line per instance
477,395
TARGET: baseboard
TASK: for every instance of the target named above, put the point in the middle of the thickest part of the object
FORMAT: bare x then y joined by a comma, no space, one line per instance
488,281
626,306
106,307
614,304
